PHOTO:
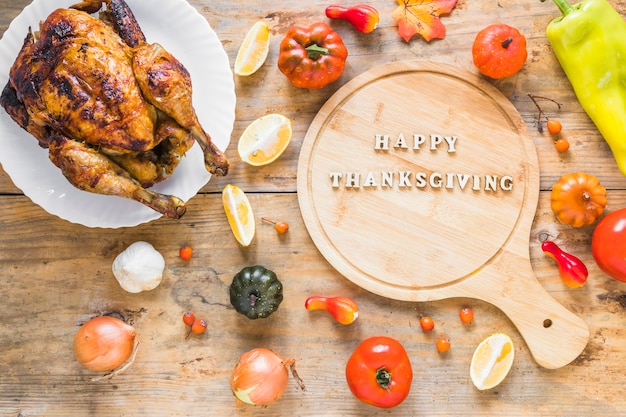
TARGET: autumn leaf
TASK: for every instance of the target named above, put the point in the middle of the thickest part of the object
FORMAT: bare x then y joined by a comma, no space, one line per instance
422,17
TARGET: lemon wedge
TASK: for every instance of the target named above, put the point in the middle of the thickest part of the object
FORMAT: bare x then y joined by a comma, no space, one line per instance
253,50
239,213
492,361
265,139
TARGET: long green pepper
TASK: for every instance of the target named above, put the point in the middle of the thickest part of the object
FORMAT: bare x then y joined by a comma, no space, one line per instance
589,40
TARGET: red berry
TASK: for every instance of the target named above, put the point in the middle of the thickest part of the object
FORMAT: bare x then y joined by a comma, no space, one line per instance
554,127
189,318
198,326
185,253
282,227
466,315
427,324
561,144
443,344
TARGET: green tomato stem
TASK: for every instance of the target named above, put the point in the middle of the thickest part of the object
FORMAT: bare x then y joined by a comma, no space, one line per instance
383,378
315,51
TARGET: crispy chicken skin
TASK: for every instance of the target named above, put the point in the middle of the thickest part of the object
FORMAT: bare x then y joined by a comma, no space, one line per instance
78,79
92,171
165,82
115,111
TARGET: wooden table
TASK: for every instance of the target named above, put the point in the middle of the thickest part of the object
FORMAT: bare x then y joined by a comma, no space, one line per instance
56,275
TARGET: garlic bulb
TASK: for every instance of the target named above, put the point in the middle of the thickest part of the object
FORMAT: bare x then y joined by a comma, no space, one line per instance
139,267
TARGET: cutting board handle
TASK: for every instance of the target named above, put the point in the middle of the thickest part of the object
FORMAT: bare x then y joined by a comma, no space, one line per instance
555,336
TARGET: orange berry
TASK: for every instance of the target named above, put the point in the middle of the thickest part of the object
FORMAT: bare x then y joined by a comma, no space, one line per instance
561,144
427,324
466,315
554,127
198,326
185,253
443,344
282,227
189,318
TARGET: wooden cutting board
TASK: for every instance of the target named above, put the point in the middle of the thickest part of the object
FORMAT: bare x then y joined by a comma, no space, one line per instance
418,181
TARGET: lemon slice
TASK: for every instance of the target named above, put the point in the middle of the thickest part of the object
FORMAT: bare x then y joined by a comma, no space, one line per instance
265,139
253,50
239,213
492,361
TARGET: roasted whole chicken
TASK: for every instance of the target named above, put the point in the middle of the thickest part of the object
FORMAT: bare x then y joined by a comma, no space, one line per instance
114,111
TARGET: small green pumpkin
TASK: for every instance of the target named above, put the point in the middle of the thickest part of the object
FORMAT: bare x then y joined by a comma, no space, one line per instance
256,292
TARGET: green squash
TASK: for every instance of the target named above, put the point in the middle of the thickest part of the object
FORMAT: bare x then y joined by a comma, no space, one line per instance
256,292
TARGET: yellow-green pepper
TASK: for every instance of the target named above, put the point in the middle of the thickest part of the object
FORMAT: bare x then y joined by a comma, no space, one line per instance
589,40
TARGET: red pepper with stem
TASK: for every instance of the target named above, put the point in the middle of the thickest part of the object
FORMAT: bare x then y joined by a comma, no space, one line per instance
343,309
363,17
572,270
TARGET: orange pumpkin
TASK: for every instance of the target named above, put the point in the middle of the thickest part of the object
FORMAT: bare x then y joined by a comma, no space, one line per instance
499,51
578,199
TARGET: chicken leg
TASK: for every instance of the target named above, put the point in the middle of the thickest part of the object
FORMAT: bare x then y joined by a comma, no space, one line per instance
166,84
90,170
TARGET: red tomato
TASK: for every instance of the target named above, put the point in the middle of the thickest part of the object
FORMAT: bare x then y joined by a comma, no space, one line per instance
379,372
608,244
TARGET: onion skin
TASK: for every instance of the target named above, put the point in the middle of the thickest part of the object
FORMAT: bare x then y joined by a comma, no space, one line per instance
260,377
104,343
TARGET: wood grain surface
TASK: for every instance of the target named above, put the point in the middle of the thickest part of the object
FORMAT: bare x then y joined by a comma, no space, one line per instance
56,275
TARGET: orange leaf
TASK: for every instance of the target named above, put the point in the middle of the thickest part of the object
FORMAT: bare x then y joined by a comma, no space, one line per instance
422,17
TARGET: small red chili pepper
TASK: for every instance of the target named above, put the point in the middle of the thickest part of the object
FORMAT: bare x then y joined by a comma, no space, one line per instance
343,309
363,17
572,270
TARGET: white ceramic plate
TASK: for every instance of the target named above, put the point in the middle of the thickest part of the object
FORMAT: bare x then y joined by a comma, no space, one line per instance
183,31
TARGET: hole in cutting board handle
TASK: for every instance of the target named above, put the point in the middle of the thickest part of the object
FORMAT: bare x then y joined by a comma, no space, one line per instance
547,323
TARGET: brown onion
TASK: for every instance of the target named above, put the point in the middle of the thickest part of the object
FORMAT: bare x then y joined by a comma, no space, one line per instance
104,343
261,377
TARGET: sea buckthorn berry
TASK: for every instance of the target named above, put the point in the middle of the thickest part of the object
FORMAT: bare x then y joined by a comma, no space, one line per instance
554,126
189,318
443,344
185,253
466,315
198,326
561,144
281,227
427,324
